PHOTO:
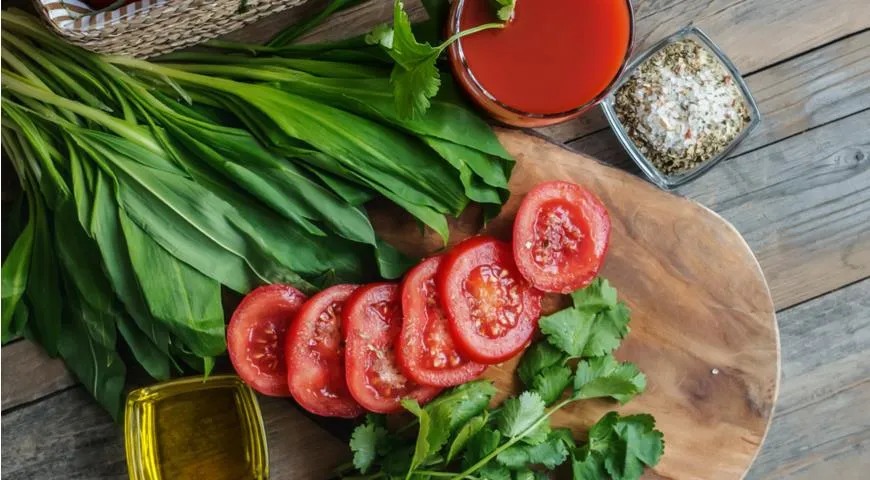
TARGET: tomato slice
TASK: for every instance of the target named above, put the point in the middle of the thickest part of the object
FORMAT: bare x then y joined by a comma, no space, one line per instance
372,320
426,351
492,310
256,333
315,356
561,235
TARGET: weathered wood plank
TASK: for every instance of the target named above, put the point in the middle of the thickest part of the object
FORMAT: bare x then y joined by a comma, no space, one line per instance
29,374
821,428
69,436
753,33
805,92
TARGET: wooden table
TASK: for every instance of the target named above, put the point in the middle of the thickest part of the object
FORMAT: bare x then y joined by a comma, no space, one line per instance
798,189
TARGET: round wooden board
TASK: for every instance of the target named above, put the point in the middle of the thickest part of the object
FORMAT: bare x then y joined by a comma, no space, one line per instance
703,325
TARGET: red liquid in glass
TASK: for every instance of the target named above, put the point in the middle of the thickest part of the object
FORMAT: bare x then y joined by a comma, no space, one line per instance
554,56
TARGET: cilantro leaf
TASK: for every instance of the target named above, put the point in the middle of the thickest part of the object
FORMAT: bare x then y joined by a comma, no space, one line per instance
504,9
465,434
551,453
415,78
619,448
551,382
527,474
494,471
593,327
568,329
519,414
364,444
536,358
605,377
481,445
463,402
430,437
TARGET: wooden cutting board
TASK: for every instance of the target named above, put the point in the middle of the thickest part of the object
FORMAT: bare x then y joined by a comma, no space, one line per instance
703,326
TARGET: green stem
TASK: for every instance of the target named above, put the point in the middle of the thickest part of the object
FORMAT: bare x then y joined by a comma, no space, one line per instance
432,473
470,31
229,86
511,442
120,127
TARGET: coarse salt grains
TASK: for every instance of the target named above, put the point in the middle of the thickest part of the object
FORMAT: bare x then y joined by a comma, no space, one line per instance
681,107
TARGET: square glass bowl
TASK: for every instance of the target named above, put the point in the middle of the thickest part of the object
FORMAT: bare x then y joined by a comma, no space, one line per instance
671,181
190,428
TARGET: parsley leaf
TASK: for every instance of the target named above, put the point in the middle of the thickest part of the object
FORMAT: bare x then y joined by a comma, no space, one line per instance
605,377
520,413
364,444
504,9
466,433
415,78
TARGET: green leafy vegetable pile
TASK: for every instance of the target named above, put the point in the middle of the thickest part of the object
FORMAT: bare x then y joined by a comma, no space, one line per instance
459,437
148,186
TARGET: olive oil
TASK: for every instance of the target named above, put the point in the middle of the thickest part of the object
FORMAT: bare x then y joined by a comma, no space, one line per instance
190,429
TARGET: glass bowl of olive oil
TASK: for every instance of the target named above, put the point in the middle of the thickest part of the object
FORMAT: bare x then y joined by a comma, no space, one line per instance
192,428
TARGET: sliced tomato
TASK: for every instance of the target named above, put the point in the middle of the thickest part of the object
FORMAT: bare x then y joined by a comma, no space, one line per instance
426,351
256,337
561,234
372,320
315,356
492,310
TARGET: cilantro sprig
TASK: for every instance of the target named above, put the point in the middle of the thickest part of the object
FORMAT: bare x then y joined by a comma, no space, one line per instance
458,437
415,77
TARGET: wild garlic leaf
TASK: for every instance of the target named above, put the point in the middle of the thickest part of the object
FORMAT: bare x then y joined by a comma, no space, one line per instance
15,270
520,413
364,445
504,9
606,377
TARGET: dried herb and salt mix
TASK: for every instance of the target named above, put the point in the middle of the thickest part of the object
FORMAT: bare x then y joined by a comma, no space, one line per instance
681,107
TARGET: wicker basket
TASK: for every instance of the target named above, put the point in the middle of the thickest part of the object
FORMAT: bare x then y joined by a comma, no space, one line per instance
146,28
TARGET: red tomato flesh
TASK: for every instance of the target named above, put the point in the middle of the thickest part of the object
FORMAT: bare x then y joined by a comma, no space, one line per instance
492,310
256,337
560,238
426,351
372,321
315,356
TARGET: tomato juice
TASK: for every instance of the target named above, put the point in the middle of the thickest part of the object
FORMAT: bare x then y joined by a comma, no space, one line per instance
555,57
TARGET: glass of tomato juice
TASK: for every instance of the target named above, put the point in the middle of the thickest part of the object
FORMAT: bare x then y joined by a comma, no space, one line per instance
554,60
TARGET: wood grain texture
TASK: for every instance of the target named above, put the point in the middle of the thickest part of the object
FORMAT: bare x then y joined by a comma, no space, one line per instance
753,33
803,205
703,325
29,374
821,429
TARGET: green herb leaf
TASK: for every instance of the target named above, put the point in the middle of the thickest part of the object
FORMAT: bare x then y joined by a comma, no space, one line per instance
494,471
481,445
605,377
429,439
568,329
462,402
364,444
551,382
468,431
520,413
536,358
619,448
15,271
504,9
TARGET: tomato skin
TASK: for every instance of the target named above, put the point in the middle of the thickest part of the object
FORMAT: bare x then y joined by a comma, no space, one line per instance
256,336
425,329
372,322
482,264
560,238
315,356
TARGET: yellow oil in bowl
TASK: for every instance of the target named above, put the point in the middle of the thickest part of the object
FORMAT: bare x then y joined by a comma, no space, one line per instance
194,429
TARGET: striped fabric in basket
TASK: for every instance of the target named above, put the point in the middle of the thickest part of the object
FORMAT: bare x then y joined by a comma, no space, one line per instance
77,15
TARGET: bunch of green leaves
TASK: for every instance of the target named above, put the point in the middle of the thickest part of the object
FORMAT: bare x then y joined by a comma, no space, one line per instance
415,77
458,437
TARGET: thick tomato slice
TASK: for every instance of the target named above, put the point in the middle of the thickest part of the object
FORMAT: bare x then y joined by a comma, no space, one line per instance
372,322
256,336
315,356
492,310
426,351
561,235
